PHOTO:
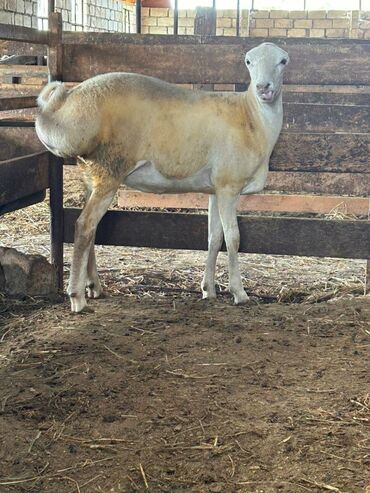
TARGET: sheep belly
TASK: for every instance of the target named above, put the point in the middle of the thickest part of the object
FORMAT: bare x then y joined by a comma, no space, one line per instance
146,178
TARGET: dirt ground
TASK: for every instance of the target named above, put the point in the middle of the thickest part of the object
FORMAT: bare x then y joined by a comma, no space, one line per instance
158,391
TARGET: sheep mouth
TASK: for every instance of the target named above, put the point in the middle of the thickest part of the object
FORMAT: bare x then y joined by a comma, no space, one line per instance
267,96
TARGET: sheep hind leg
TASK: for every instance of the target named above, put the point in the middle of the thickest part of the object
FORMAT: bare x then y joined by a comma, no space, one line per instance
86,225
93,285
215,236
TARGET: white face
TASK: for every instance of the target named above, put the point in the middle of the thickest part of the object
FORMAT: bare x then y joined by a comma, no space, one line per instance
266,64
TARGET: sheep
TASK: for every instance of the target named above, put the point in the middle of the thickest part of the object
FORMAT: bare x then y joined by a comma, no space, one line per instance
158,137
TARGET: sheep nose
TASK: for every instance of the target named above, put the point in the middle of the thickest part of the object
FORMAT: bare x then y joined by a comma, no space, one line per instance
263,86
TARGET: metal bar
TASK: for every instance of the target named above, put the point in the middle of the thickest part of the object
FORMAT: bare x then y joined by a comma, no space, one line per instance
238,17
16,123
56,215
214,4
138,16
176,19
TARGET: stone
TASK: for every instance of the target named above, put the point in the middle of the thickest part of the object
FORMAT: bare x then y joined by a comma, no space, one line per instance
26,275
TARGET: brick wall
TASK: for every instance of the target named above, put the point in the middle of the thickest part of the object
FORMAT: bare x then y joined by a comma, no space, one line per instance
264,23
88,15
118,16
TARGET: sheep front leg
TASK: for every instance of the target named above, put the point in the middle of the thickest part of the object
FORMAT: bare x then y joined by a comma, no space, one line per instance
227,206
215,236
86,225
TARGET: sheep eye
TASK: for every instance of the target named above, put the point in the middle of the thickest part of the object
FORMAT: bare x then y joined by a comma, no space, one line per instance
284,61
248,62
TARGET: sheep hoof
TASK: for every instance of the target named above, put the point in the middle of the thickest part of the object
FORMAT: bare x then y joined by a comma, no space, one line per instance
241,298
78,303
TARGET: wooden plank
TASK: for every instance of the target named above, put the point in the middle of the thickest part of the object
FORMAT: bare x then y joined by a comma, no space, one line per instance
55,50
15,90
35,198
322,152
35,71
21,48
208,59
355,184
18,102
56,216
23,176
265,202
16,142
326,98
281,236
11,32
321,118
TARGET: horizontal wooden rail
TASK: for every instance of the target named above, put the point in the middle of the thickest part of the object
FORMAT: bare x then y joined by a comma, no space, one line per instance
23,176
18,102
268,235
16,142
26,34
307,204
212,59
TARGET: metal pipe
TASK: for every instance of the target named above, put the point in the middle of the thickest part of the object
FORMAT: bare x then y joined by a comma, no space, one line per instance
176,18
238,17
138,16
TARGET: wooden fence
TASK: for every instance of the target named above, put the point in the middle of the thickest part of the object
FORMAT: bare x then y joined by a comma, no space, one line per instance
323,149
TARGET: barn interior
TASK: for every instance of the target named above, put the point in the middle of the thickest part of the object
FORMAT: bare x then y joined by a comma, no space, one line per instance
152,388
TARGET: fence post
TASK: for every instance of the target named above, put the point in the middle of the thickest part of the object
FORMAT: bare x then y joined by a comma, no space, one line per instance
55,48
55,69
367,277
205,25
56,215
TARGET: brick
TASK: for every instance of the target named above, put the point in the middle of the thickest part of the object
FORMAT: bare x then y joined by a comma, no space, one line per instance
273,32
341,23
12,5
227,13
297,14
366,34
157,30
362,24
20,6
263,23
27,21
181,30
164,21
303,23
224,87
279,14
297,33
229,31
259,33
186,22
6,17
182,13
316,14
317,33
283,23
260,14
337,14
219,31
18,19
322,24
224,22
335,33
157,12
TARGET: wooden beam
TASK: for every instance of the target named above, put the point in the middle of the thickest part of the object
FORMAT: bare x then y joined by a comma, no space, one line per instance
210,60
321,152
35,198
17,142
20,177
55,49
25,34
56,215
16,103
356,184
265,202
29,71
21,48
269,235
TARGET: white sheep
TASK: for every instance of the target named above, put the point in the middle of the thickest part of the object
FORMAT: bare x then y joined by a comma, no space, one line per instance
157,137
